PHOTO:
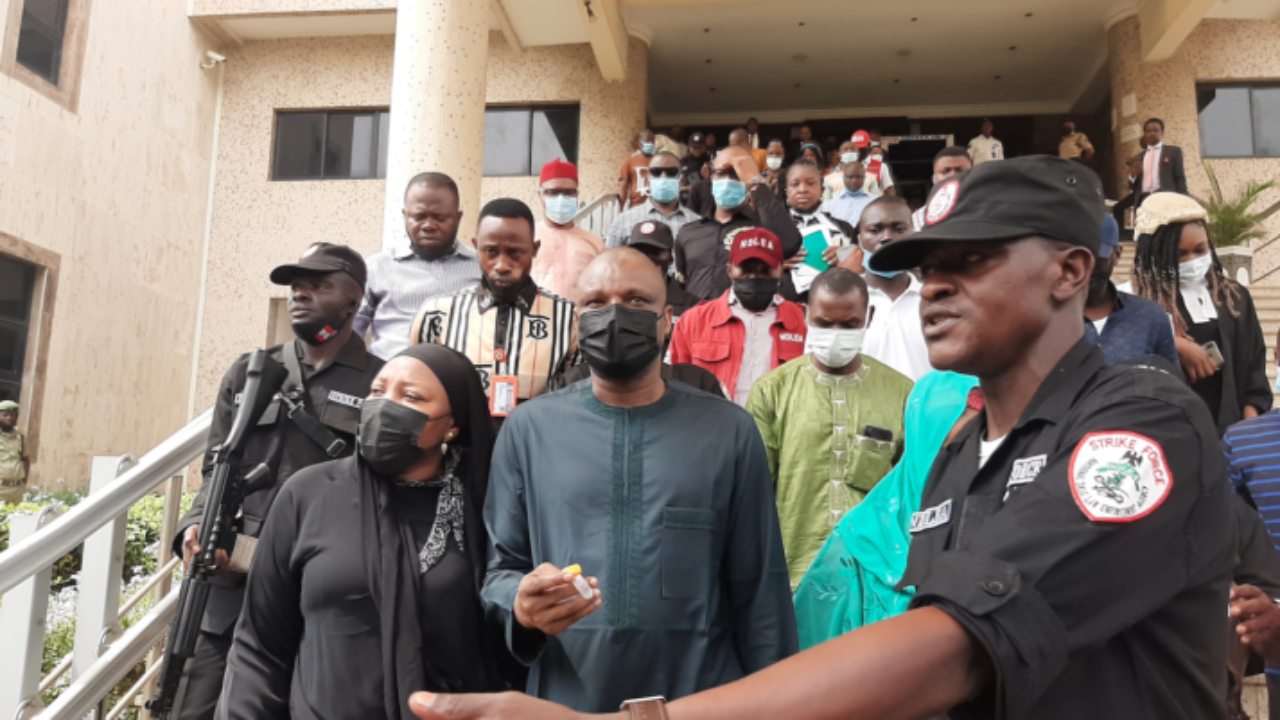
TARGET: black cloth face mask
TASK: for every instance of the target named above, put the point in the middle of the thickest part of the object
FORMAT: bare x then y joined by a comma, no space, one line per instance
619,342
388,435
755,294
318,332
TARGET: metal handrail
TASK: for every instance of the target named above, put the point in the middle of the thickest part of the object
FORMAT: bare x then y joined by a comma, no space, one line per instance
598,202
42,549
88,690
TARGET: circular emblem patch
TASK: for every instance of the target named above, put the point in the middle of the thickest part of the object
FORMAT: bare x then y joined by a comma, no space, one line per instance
1119,476
647,228
943,201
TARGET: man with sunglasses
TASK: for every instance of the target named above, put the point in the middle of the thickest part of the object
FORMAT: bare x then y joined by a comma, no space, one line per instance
742,200
565,248
662,206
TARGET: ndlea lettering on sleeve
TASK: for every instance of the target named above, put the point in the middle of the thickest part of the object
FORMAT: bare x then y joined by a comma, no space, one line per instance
1119,476
933,517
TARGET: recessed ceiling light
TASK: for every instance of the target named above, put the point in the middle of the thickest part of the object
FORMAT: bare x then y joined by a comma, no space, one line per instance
800,58
896,81
708,61
914,19
797,84
801,24
713,89
1029,14
904,52
998,77
1013,47
706,29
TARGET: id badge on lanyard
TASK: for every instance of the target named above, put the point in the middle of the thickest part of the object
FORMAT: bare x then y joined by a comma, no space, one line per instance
503,394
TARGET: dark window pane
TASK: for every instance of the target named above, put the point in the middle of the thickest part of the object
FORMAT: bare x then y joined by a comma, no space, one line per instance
299,146
1266,121
40,37
12,349
349,148
10,391
506,141
384,135
555,135
17,280
39,52
1225,124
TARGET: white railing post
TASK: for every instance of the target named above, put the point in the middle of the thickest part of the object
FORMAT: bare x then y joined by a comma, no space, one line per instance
22,625
100,572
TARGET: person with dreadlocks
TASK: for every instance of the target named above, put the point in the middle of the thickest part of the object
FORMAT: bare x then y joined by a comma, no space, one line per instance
1218,335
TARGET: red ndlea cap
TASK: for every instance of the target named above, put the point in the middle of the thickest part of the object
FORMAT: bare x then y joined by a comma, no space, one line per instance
557,169
756,243
861,138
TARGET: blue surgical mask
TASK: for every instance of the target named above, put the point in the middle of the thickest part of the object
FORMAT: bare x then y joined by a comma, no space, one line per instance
851,157
729,194
648,148
561,209
664,189
866,265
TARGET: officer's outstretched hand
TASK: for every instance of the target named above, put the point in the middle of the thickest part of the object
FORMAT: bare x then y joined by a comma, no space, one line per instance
504,706
548,602
1257,618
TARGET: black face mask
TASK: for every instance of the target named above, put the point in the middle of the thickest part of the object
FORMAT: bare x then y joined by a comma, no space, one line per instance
755,294
507,295
388,435
618,342
319,332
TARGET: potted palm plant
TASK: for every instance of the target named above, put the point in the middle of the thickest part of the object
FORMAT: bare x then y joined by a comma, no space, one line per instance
1233,226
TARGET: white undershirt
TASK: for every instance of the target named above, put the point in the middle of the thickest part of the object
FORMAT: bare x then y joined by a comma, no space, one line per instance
986,448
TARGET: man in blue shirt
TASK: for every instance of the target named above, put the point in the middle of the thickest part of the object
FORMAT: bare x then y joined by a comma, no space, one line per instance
1127,327
848,205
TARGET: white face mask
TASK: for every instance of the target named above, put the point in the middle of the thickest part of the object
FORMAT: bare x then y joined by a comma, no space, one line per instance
1193,270
774,162
833,347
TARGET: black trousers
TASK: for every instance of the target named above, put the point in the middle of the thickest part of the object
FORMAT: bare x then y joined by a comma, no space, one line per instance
201,683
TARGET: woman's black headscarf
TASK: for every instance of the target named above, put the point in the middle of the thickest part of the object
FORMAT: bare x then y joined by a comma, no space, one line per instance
391,557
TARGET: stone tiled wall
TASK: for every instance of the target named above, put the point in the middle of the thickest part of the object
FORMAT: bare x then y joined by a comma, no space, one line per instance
117,189
1218,50
259,224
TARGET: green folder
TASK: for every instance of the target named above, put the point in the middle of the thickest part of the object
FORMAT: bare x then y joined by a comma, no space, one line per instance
816,244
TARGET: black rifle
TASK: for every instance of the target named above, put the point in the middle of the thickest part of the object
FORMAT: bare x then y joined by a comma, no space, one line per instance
217,526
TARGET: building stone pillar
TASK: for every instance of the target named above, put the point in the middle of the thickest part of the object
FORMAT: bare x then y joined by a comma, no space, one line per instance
438,87
1124,44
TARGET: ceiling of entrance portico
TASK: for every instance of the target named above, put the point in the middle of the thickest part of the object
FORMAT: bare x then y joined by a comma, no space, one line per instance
785,60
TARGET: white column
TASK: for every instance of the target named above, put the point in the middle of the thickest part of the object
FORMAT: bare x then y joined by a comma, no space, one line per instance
22,619
437,101
102,564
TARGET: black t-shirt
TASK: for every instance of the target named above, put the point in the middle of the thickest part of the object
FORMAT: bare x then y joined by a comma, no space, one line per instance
1092,554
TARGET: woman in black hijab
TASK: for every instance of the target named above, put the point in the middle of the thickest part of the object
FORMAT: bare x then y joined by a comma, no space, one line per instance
366,582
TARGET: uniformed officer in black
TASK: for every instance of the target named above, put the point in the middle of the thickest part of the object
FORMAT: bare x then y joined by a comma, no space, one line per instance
1073,551
335,372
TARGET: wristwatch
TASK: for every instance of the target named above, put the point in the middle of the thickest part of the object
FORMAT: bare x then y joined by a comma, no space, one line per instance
650,708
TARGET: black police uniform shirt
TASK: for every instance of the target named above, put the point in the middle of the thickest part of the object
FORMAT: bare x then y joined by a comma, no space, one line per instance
1091,555
334,397
702,247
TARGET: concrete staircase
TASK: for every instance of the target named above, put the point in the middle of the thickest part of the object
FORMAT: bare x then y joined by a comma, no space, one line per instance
1265,297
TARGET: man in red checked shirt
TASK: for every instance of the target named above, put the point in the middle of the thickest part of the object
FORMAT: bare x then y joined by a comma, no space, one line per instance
750,329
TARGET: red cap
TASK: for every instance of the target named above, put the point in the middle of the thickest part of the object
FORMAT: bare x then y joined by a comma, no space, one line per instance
758,243
557,169
861,138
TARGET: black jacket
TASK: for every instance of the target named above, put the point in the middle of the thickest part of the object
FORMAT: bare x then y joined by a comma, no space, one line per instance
1173,176
333,396
1244,375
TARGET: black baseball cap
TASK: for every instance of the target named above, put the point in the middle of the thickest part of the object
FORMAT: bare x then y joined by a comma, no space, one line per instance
323,257
1006,200
651,233
697,140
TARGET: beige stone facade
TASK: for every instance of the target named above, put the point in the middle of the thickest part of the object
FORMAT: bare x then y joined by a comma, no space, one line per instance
109,194
1217,51
259,224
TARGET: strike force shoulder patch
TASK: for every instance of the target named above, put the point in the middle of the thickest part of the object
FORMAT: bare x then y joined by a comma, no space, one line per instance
1119,476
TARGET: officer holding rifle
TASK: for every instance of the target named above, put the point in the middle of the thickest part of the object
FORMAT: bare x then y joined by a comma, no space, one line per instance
312,420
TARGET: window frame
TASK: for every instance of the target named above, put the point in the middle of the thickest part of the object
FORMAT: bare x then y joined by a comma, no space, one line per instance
531,109
1253,126
66,92
378,162
44,293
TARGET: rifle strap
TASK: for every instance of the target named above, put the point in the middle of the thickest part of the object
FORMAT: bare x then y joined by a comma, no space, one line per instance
294,395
